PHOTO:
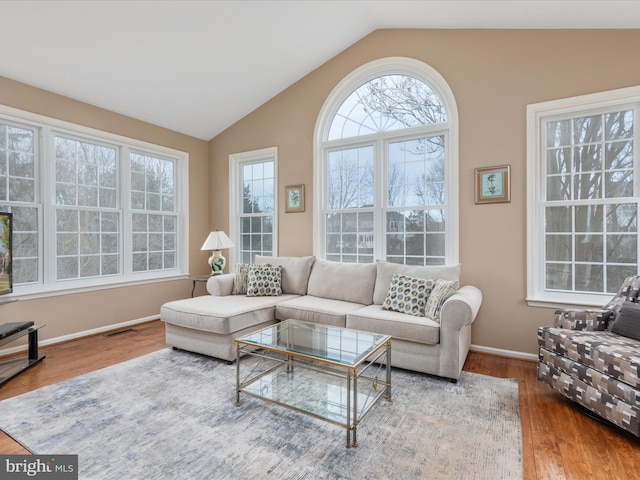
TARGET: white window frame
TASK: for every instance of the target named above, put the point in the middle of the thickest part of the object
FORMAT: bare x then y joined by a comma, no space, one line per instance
538,113
236,160
47,127
363,74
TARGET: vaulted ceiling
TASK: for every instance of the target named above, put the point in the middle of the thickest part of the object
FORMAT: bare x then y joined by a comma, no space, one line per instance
197,67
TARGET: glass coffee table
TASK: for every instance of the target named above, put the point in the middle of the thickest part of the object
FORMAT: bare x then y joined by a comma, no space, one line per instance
330,373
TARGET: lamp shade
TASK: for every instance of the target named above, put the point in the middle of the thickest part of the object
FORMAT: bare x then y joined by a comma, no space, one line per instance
217,240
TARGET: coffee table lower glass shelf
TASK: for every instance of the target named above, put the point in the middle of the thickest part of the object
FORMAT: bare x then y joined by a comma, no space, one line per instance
330,373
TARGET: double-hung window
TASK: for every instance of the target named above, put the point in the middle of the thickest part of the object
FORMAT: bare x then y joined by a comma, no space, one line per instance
19,194
87,218
154,213
386,167
252,191
90,208
583,197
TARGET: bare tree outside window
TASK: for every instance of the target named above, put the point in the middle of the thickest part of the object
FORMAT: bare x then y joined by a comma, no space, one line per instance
17,190
401,101
590,210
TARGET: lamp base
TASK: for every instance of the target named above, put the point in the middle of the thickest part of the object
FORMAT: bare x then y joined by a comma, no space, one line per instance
217,262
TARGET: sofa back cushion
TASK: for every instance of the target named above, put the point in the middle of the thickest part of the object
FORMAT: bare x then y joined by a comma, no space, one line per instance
350,282
295,272
385,271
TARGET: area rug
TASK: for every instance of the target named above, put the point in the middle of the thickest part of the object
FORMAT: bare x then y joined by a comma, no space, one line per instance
171,415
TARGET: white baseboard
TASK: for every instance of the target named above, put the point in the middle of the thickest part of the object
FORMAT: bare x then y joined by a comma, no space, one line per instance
65,338
505,353
84,333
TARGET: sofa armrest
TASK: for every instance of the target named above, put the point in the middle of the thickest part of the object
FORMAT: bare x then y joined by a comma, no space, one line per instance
589,320
461,308
220,285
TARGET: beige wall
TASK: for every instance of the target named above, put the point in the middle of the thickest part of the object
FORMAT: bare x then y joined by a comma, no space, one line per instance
72,313
494,74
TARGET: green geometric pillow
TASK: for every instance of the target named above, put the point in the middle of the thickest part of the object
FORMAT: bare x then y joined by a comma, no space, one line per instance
442,289
264,281
407,295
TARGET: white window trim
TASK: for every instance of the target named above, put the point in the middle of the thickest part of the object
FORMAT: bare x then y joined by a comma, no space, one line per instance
46,126
536,113
235,159
363,74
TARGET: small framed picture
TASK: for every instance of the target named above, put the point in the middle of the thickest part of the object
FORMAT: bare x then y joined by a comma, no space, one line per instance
493,184
295,198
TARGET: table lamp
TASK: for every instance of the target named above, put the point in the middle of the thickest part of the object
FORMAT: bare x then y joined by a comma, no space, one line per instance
217,241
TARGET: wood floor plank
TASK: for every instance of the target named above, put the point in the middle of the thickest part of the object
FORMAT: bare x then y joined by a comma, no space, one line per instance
559,441
518,369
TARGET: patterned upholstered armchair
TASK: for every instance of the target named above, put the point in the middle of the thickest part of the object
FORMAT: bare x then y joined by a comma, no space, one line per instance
583,360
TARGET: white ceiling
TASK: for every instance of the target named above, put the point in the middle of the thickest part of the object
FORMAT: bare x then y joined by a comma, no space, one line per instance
197,67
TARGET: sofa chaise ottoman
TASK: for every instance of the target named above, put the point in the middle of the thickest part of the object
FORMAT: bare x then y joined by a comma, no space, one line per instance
333,293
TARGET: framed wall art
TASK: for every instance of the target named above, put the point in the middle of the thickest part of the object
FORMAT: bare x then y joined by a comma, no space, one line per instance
493,184
294,195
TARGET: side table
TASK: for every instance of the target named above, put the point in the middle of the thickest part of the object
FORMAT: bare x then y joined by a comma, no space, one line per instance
197,278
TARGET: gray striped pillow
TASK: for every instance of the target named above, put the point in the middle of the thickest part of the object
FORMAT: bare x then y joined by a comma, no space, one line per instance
240,280
442,289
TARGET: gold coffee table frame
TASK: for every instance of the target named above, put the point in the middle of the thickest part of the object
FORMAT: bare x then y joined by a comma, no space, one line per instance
329,373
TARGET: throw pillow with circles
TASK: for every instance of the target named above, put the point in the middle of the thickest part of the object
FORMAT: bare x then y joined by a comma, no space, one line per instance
264,281
408,295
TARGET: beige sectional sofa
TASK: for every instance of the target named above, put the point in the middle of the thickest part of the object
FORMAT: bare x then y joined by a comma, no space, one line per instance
341,294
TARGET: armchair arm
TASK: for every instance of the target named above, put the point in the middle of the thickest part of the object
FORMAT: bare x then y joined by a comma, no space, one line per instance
588,320
220,285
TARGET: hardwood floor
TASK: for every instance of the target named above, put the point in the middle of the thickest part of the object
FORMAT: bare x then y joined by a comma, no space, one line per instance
559,441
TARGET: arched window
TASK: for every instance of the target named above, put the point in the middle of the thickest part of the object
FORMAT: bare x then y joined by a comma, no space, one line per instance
386,167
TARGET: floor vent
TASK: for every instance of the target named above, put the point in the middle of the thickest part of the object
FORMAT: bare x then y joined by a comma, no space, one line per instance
119,332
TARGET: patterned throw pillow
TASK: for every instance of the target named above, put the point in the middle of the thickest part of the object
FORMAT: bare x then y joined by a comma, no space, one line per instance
240,280
442,289
264,281
627,322
407,295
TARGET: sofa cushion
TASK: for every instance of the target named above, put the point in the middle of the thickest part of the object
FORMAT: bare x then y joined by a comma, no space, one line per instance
408,295
223,315
441,290
627,322
399,325
613,354
295,272
350,282
314,309
264,281
385,271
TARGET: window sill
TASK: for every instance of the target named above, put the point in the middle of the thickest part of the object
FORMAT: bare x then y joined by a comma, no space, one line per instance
38,291
566,303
